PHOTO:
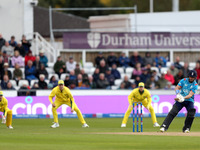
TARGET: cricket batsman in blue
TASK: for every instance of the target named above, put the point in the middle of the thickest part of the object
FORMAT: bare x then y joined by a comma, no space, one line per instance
185,91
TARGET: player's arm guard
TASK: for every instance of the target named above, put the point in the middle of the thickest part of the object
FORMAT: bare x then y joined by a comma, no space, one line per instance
179,98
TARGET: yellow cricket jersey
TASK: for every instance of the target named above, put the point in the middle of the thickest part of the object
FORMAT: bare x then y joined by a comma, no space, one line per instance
137,96
62,96
4,106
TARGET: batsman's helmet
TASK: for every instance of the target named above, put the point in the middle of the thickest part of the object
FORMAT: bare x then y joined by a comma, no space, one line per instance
192,74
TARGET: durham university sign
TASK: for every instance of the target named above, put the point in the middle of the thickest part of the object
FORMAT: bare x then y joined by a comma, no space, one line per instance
92,40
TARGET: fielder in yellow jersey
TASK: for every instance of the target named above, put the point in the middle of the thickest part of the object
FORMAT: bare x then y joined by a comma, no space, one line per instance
140,94
63,96
7,113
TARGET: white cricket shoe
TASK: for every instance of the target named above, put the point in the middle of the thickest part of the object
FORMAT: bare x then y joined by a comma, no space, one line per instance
187,130
162,129
85,125
156,125
55,125
10,127
123,125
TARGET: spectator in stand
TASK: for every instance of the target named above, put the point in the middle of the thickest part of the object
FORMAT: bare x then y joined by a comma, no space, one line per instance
2,41
102,67
26,44
43,58
96,75
178,77
6,58
77,69
12,42
122,86
9,49
148,59
59,66
162,82
155,74
42,70
173,70
79,80
137,71
24,90
42,84
21,49
92,84
9,86
37,62
110,77
29,56
135,58
72,84
102,83
148,68
197,69
160,60
145,75
67,80
1,64
17,73
30,71
151,83
53,82
177,63
72,75
71,64
137,81
84,76
115,72
124,60
99,58
185,70
4,82
6,71
127,82
34,88
133,85
17,59
169,77
112,59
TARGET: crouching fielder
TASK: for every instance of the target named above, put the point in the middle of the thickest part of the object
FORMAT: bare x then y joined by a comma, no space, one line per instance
185,91
63,96
7,113
140,95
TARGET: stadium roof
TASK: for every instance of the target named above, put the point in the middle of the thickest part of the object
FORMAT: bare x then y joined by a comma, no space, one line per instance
60,21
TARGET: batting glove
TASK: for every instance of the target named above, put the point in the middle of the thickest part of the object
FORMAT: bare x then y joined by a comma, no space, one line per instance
179,98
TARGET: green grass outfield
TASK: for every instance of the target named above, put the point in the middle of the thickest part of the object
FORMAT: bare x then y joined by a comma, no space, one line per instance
36,134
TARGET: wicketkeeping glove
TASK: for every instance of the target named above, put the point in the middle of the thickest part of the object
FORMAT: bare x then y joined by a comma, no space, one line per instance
179,98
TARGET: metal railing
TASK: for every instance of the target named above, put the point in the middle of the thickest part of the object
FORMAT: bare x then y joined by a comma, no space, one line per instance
39,43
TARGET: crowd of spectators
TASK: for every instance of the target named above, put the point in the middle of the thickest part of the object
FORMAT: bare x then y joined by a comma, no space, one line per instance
18,55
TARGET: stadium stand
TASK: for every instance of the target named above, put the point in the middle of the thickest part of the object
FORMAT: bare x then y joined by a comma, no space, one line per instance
88,70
